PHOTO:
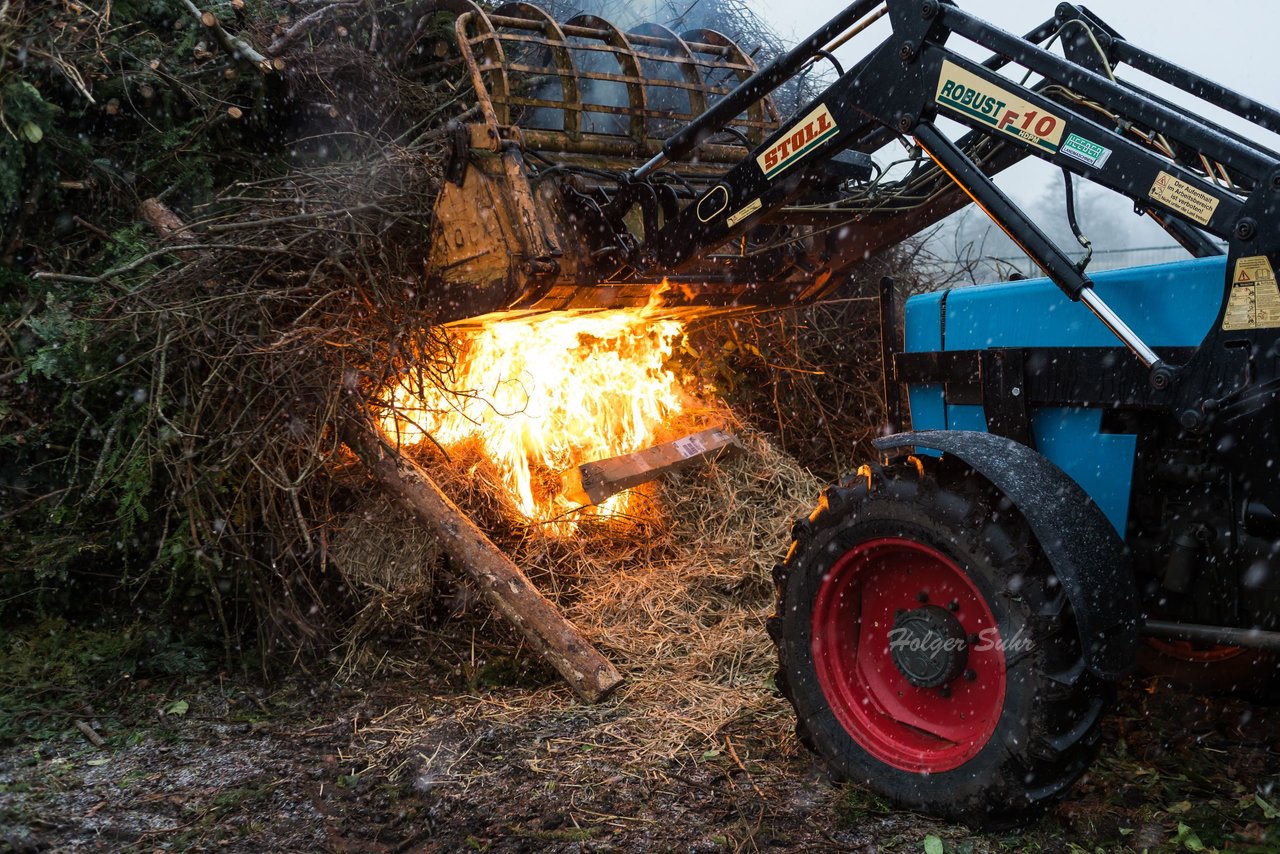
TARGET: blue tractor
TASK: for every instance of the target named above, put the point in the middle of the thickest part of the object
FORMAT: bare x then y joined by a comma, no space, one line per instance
1089,479
951,621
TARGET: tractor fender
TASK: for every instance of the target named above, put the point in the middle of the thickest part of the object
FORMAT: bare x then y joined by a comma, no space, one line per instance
1082,547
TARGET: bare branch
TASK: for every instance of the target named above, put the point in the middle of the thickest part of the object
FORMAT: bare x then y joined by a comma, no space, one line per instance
234,46
307,24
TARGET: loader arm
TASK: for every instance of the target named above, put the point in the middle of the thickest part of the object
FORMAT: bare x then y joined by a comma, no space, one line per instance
1191,174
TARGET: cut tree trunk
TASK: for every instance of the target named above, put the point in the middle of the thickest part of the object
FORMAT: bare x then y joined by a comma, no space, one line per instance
501,582
164,222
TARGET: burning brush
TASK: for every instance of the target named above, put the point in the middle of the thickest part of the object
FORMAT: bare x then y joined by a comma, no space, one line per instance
567,409
551,401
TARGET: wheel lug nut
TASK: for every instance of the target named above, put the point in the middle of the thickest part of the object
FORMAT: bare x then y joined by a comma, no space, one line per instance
944,691
953,605
922,596
970,675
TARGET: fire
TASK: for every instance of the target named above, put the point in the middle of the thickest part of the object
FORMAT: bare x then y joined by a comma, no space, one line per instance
548,393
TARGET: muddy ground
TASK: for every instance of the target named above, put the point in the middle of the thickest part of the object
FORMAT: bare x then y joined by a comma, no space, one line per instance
465,761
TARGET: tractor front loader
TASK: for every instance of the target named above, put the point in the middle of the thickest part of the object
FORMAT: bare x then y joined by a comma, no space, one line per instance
1090,474
535,214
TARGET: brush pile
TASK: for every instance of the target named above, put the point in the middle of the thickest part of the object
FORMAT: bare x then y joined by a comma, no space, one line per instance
237,251
214,221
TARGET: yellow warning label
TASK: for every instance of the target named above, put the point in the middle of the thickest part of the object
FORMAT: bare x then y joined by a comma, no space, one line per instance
1255,298
750,208
1178,195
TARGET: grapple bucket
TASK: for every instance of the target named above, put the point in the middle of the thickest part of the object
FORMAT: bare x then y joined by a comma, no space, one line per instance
537,213
586,87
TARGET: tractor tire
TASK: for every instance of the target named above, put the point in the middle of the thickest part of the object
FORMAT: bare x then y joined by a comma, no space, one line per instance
928,649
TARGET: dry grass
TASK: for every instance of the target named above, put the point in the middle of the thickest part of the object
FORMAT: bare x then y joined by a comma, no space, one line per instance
687,628
388,560
675,594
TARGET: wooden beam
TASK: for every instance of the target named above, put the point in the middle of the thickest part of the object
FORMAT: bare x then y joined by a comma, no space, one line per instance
593,482
501,582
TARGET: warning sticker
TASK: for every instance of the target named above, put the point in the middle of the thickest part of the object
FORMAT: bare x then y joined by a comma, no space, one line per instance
1255,298
978,98
747,211
1182,197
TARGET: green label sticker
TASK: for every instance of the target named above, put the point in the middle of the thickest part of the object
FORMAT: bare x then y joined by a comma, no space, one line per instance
1079,148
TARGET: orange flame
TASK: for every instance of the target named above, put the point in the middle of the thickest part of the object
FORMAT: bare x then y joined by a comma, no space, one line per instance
548,393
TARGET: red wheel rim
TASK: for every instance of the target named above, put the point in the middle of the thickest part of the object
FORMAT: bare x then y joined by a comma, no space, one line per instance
911,728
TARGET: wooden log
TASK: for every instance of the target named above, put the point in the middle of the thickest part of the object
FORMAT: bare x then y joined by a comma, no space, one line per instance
167,225
501,582
164,222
